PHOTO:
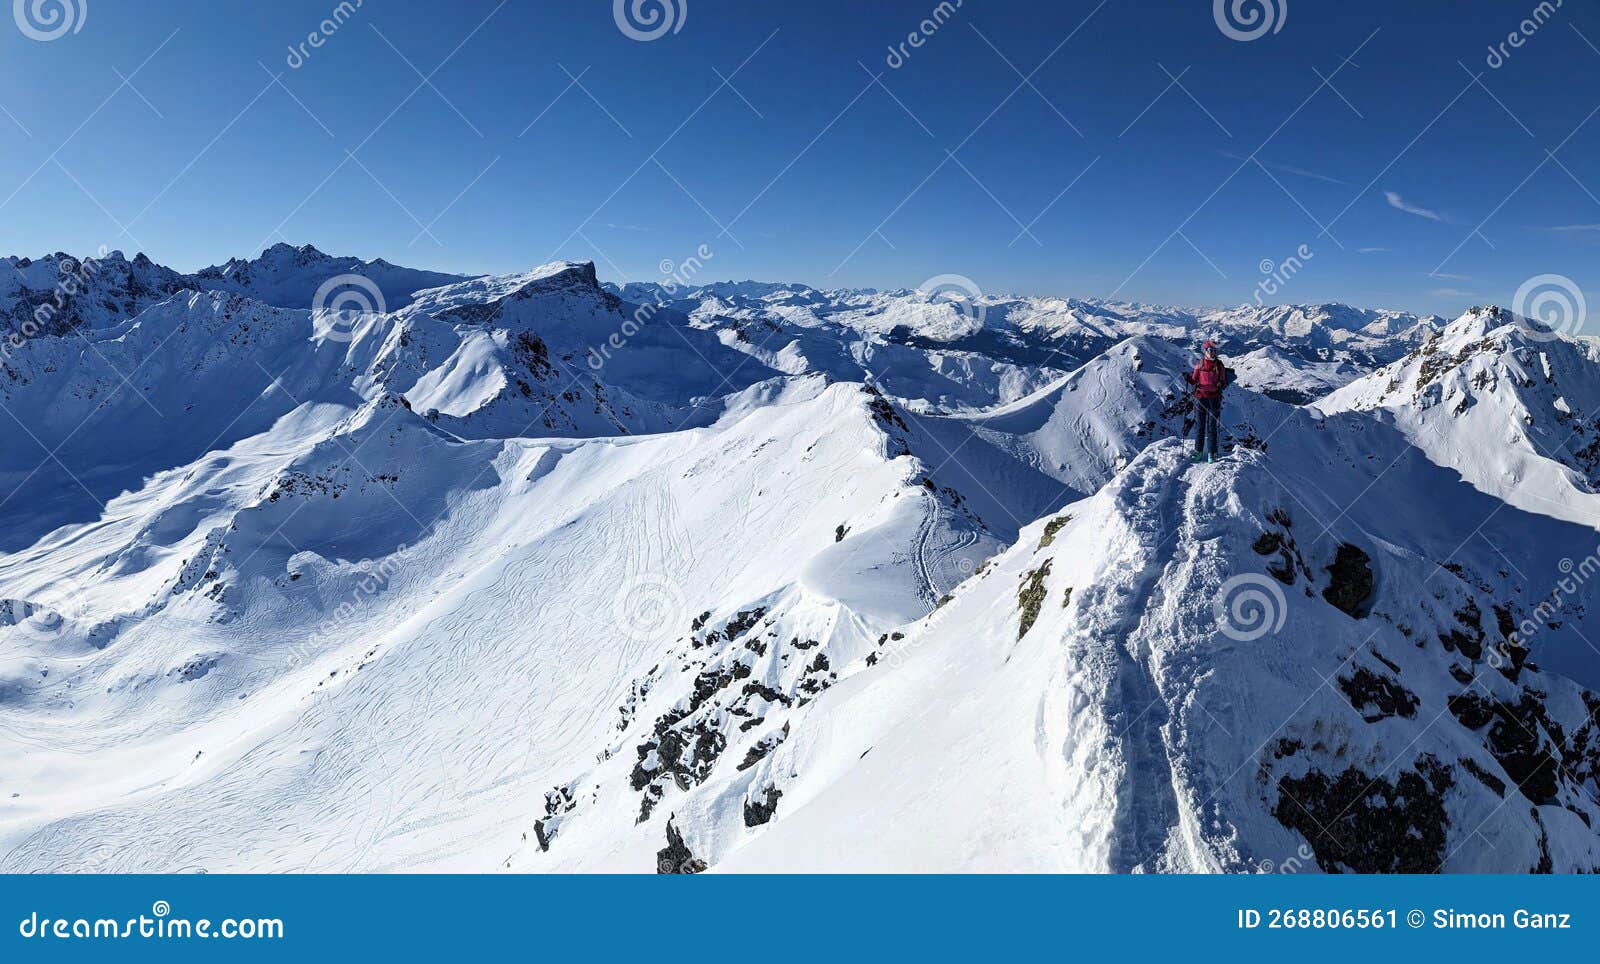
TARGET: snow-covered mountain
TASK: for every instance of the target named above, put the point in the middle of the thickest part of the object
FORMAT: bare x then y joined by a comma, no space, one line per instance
289,277
58,293
965,352
1514,410
532,573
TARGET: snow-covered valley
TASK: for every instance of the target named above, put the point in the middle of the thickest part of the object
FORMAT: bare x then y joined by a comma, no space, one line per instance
535,573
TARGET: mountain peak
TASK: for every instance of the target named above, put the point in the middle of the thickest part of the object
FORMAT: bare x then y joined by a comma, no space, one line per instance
283,249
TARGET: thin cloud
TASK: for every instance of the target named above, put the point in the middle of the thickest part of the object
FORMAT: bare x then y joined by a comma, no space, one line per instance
1313,175
630,227
1454,293
1289,169
1447,276
1574,228
1372,251
1401,204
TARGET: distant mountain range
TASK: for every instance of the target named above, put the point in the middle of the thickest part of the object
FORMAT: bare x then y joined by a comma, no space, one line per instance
320,564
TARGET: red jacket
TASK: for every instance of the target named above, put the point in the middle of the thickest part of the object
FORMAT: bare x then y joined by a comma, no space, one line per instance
1209,378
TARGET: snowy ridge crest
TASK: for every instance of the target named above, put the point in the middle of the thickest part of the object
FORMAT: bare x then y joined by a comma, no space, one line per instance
783,579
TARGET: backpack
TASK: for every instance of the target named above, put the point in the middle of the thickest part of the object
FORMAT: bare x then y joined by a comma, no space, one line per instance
1210,378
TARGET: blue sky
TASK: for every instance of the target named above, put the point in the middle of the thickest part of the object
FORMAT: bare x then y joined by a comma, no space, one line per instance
160,127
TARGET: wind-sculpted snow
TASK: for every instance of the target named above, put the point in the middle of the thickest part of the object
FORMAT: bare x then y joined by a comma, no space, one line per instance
1095,703
535,574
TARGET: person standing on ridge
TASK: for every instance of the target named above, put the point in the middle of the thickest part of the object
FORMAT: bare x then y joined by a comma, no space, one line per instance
1209,378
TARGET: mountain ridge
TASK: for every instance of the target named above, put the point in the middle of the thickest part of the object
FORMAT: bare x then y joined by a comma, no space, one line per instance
534,572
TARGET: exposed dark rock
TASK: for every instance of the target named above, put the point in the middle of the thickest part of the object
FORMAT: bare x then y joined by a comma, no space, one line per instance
1051,528
1378,697
734,628
195,668
1367,824
1030,599
762,809
1504,620
1515,741
883,411
1484,776
1350,581
763,747
1386,661
1473,711
1544,866
765,692
675,857
557,803
534,355
818,677
1468,638
1267,543
1282,544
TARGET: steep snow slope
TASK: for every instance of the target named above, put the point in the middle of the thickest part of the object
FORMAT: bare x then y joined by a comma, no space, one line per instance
1078,706
1088,425
1516,412
1295,381
550,351
103,408
533,574
1083,705
272,713
99,410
